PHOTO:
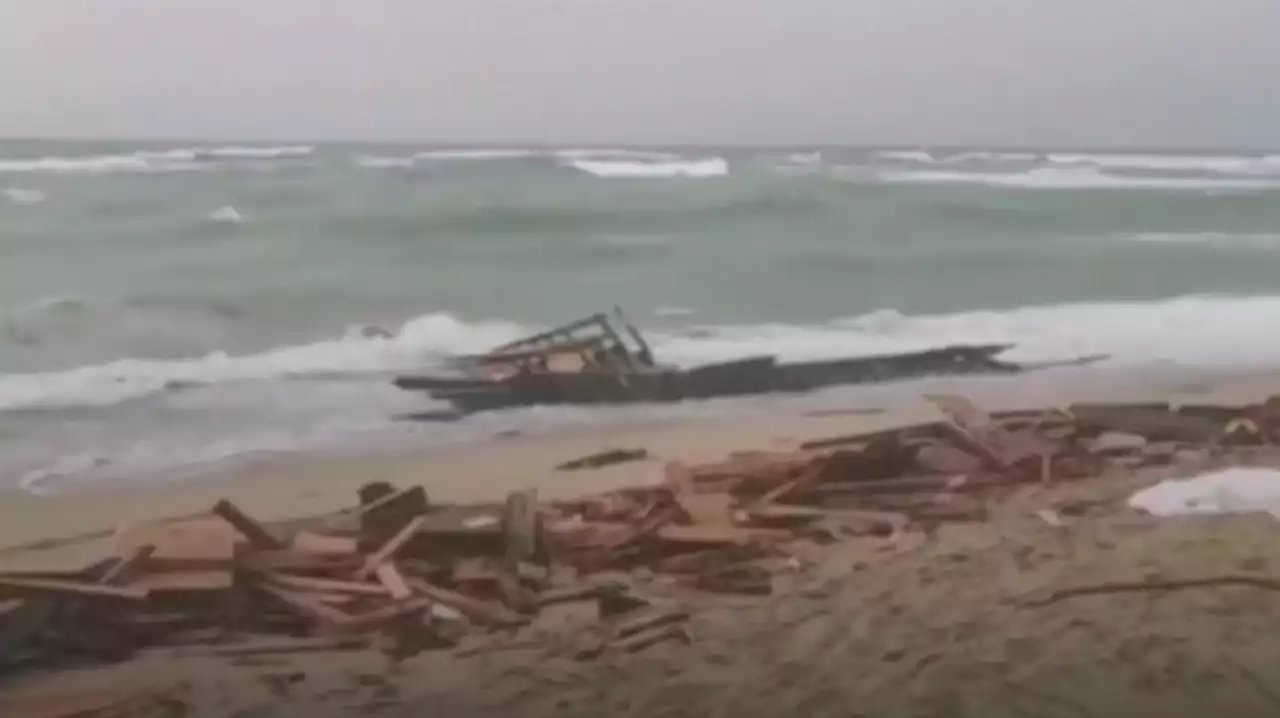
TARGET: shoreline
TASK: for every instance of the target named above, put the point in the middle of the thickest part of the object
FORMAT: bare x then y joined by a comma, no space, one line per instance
285,485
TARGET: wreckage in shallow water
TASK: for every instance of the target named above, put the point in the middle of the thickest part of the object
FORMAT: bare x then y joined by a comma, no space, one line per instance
603,359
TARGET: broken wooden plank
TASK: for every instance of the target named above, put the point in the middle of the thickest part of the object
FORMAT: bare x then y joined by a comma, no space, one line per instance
257,534
38,586
389,549
201,543
326,585
812,476
28,618
276,646
648,618
1155,422
306,606
520,527
393,581
1004,449
383,615
324,545
476,610
651,637
607,457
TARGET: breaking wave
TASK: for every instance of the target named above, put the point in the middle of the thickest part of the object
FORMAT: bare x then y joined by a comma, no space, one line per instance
226,215
1081,177
1195,331
710,167
179,159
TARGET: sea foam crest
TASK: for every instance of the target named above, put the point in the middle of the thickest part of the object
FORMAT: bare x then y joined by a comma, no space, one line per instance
174,159
701,168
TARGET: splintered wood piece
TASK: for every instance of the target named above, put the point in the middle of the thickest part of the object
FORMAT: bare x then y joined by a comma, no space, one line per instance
393,581
384,614
479,611
257,534
393,497
1001,447
649,618
326,585
324,545
604,458
644,639
71,588
306,606
389,549
127,566
520,526
811,476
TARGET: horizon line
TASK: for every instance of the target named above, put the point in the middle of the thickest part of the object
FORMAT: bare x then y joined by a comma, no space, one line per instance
604,144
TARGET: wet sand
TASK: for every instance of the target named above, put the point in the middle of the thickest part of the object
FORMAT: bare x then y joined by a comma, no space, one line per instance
947,623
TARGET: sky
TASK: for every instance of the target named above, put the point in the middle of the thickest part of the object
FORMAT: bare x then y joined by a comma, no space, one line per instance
1173,73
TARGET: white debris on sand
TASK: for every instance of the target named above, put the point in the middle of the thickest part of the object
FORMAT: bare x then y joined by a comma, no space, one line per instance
1234,490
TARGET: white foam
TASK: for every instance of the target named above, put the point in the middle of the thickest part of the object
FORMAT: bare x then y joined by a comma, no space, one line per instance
418,342
19,195
1229,164
175,159
226,215
920,156
1192,331
99,164
606,153
967,157
479,154
256,153
380,162
1234,490
704,168
1077,178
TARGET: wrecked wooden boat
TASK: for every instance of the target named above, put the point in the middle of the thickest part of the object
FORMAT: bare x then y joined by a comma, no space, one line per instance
604,359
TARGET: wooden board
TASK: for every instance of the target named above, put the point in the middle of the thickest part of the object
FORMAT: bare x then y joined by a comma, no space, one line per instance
184,581
1001,447
203,543
322,545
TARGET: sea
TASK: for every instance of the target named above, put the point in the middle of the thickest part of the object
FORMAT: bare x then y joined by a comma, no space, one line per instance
167,307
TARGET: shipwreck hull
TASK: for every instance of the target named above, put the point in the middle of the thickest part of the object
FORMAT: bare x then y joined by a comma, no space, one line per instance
740,377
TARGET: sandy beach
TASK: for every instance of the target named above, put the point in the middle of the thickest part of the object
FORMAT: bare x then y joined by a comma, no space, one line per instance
943,622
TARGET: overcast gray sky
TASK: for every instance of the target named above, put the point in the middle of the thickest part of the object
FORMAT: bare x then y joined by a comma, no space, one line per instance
1028,72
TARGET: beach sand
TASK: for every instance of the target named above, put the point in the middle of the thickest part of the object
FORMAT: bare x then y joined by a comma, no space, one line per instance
943,623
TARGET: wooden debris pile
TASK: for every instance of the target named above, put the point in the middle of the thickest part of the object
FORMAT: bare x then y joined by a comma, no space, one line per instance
400,575
405,575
